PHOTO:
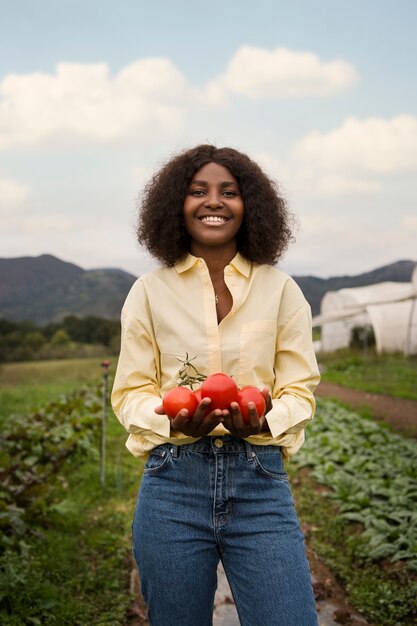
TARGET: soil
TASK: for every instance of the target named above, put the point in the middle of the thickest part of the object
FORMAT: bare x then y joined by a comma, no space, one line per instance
136,614
332,604
331,601
400,414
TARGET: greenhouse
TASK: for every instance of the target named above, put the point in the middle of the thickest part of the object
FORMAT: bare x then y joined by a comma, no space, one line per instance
388,309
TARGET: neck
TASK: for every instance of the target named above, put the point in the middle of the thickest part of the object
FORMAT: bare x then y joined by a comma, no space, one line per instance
216,258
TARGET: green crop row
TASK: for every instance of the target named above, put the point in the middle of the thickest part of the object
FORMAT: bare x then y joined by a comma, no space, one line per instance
372,476
32,450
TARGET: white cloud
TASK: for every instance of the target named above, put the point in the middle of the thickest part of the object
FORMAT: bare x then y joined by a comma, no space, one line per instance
146,96
281,73
307,181
338,184
141,174
409,222
373,145
151,96
104,241
13,195
326,245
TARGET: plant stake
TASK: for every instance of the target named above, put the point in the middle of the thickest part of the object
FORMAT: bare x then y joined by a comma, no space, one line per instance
105,365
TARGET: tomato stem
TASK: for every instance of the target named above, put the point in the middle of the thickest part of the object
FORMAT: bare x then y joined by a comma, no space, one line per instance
185,376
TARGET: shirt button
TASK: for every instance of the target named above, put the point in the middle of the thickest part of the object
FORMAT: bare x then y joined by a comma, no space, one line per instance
218,443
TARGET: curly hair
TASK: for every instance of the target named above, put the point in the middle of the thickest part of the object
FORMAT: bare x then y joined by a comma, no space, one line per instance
265,231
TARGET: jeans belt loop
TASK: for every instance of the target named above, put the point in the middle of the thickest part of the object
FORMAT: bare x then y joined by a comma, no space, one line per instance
249,452
175,451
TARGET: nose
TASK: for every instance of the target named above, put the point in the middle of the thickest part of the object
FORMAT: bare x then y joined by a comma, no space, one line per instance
214,200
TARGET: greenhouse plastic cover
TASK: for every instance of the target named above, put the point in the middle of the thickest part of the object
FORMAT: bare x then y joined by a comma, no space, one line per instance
390,308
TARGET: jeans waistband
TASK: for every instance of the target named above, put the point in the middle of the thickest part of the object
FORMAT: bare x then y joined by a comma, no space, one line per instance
227,444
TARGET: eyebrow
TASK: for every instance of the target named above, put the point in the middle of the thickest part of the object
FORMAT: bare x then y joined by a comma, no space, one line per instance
204,183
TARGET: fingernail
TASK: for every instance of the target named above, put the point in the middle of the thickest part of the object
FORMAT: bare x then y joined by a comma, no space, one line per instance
184,413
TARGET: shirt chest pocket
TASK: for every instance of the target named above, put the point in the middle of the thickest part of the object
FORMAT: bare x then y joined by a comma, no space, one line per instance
257,352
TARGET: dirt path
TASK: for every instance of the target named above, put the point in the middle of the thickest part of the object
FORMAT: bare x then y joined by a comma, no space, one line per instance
398,413
332,606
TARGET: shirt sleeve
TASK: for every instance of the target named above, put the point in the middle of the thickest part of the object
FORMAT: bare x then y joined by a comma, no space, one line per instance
296,375
136,388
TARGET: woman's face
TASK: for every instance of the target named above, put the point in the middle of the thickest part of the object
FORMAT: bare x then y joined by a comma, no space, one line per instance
213,208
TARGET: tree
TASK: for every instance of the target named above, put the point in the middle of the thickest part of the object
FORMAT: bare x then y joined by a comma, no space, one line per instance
60,338
34,340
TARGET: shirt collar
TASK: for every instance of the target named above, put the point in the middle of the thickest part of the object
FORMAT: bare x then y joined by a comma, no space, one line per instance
242,265
185,263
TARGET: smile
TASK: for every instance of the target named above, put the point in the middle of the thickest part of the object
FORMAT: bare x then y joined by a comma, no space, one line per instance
214,219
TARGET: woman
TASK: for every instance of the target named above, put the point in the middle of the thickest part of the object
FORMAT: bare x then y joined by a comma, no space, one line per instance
214,487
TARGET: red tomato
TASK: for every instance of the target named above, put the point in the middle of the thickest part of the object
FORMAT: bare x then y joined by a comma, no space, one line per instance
221,389
197,393
250,394
177,399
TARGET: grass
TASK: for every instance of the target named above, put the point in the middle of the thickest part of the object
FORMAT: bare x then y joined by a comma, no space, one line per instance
25,387
393,375
74,569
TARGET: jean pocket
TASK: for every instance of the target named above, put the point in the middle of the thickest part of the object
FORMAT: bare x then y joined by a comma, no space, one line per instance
269,465
157,460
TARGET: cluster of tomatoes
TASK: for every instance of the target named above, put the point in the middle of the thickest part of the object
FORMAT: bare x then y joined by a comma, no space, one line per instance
222,391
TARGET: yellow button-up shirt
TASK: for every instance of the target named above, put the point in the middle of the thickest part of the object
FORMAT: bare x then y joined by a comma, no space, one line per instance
265,340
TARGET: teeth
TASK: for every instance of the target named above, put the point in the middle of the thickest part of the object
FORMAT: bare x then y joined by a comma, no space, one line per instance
213,218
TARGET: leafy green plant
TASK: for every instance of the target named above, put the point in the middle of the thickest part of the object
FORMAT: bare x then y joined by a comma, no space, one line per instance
32,450
385,594
372,474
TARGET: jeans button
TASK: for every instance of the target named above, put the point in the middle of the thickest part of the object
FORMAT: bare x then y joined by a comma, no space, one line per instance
218,443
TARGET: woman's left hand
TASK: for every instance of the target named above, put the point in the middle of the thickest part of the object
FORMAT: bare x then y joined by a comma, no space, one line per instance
234,423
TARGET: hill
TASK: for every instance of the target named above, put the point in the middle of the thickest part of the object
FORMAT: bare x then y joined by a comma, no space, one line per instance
45,289
314,288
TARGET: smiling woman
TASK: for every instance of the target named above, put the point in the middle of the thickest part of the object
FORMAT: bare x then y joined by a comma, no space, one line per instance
213,209
266,225
214,485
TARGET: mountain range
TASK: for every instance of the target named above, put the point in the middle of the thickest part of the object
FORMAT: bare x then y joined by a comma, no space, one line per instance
46,289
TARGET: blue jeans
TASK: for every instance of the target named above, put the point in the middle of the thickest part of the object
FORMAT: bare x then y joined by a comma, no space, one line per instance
220,499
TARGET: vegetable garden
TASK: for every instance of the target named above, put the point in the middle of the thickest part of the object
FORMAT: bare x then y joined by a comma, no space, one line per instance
363,523
372,474
65,544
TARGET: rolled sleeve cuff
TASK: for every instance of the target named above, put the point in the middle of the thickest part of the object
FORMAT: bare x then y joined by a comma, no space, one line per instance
284,418
140,417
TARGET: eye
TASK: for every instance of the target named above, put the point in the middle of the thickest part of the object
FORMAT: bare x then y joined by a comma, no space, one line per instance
197,192
230,194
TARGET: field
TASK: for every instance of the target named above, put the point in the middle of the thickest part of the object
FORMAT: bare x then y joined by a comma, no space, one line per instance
354,485
27,386
393,375
72,566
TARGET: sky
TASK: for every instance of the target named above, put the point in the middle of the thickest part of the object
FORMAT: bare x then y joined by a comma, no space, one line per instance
96,96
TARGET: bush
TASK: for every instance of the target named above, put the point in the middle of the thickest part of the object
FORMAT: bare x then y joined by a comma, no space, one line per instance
362,337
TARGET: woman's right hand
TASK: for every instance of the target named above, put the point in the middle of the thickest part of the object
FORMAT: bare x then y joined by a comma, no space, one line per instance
199,424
